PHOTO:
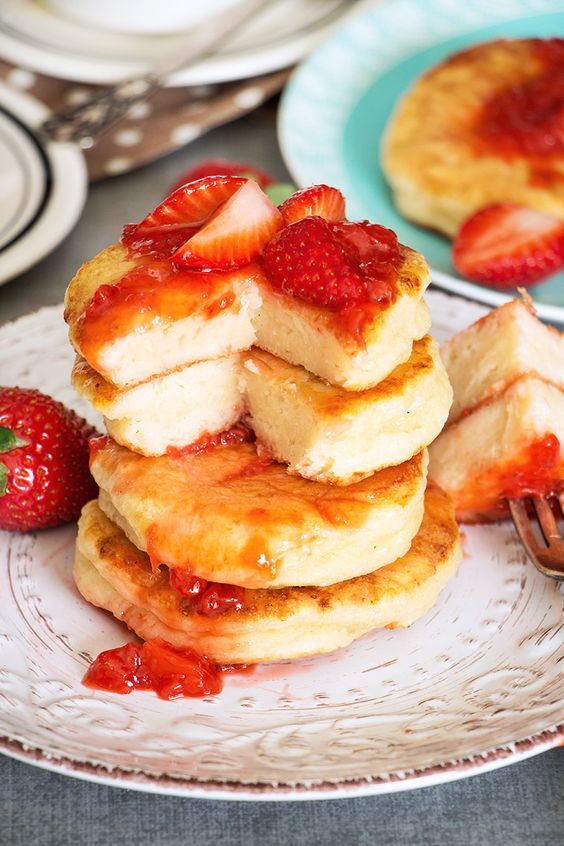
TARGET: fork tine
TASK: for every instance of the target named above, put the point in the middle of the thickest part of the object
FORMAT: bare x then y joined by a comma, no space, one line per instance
522,523
546,519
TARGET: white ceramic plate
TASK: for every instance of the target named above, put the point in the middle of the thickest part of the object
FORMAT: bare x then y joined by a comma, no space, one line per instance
42,186
34,35
337,104
474,685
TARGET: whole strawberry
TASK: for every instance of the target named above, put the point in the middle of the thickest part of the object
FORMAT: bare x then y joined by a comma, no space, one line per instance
44,474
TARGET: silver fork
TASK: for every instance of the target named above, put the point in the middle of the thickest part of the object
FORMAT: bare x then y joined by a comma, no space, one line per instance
84,123
548,558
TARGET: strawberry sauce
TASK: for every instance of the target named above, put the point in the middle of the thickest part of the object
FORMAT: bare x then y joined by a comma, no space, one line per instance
210,599
238,434
527,119
157,665
148,295
536,470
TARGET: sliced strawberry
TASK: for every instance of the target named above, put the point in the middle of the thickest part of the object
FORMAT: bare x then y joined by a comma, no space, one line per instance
320,200
307,261
215,167
235,235
191,204
505,245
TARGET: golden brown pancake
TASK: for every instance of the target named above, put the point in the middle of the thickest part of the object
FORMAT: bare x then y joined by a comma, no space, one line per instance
443,165
231,516
338,436
273,624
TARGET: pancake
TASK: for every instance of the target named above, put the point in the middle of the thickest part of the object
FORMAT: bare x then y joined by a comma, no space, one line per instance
272,625
312,337
142,323
509,446
167,411
338,436
441,153
144,326
322,432
228,515
509,342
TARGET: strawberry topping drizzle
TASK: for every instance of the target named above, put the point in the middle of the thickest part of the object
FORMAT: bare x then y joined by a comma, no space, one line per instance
528,119
159,666
211,599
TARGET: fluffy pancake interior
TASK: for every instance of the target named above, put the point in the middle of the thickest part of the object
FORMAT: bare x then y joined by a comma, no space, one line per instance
337,436
273,624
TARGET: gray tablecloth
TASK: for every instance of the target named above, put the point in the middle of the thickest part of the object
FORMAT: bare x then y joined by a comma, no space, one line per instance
520,805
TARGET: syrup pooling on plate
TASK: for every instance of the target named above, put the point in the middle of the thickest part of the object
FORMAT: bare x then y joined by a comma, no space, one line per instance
156,665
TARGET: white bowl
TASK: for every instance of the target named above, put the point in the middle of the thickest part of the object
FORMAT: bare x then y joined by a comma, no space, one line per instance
139,16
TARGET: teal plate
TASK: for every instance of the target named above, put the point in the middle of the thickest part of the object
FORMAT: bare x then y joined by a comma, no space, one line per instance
337,104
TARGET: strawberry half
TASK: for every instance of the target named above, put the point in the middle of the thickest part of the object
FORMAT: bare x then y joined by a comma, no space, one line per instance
318,200
44,474
224,167
335,265
506,245
307,261
235,235
189,206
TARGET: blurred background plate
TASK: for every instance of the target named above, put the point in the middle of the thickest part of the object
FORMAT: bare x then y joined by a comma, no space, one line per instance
42,186
337,104
33,34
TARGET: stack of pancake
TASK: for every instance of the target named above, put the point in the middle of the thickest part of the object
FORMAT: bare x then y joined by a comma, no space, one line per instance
292,544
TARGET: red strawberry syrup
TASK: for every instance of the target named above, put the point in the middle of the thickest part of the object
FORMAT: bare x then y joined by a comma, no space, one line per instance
527,119
171,672
536,470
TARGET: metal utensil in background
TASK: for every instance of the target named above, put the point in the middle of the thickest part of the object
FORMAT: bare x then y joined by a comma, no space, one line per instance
84,123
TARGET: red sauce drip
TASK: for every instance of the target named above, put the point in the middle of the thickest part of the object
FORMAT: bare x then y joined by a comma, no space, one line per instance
373,250
533,473
147,295
155,665
375,253
96,445
238,434
528,119
536,470
159,243
211,599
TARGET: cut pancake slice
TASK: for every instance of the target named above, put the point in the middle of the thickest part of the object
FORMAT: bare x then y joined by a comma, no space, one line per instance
151,320
333,435
135,319
167,411
507,343
355,356
273,624
509,446
323,432
228,515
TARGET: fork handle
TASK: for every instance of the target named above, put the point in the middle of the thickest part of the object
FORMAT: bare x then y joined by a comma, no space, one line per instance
85,122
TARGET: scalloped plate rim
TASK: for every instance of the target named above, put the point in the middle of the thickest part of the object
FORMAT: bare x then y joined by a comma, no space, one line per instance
549,736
